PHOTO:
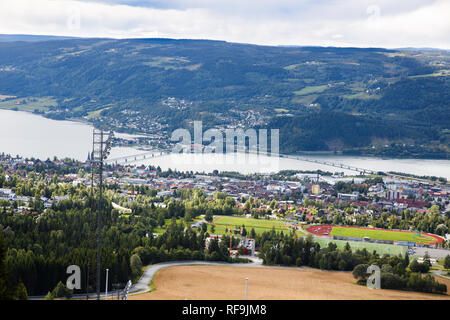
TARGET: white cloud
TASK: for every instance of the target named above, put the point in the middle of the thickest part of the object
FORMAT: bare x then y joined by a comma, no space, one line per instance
382,23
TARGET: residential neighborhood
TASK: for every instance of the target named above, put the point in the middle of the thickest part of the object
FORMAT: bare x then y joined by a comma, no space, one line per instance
291,196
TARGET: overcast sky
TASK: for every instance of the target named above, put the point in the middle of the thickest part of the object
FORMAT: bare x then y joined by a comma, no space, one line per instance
361,23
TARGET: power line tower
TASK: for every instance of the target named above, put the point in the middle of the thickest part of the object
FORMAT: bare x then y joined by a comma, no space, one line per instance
100,151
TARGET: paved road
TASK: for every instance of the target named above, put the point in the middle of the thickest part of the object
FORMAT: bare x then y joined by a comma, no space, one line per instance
441,273
434,253
79,296
143,284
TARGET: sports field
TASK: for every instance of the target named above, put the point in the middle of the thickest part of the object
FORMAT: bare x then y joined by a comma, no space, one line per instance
260,225
359,232
390,249
381,234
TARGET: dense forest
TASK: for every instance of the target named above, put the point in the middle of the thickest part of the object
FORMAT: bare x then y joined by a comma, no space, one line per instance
39,250
330,130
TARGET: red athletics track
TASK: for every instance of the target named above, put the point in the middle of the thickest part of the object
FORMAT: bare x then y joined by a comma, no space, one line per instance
326,228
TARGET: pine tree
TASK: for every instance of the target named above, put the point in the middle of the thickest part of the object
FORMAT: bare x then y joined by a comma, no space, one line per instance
447,262
21,291
4,295
49,296
8,292
406,261
61,291
426,258
253,233
347,247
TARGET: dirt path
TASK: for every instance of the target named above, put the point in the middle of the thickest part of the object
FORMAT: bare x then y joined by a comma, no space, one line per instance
225,282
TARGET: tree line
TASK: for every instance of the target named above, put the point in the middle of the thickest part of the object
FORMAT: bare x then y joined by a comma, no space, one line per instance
397,272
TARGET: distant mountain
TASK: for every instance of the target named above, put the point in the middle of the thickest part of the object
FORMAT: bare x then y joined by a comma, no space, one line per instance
356,100
30,38
422,49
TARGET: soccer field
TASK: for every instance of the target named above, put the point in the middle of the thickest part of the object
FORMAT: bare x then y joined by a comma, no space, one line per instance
260,225
381,234
390,249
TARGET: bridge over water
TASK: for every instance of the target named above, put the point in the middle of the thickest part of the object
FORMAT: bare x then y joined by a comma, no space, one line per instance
152,154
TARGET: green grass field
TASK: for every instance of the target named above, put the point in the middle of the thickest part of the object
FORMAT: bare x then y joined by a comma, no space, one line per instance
311,89
307,100
390,249
260,225
361,95
168,63
167,222
380,234
96,114
441,73
301,233
281,110
226,222
31,104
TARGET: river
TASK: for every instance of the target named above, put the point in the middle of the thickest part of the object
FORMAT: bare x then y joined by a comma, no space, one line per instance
30,135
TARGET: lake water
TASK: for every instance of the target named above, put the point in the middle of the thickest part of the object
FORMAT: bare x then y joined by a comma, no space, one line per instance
30,135
252,163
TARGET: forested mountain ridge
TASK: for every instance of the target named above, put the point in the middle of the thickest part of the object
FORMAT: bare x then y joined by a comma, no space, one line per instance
369,101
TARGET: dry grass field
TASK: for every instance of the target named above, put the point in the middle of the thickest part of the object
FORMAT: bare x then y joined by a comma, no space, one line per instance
224,282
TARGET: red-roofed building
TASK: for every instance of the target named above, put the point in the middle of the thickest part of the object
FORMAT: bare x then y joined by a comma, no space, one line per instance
413,203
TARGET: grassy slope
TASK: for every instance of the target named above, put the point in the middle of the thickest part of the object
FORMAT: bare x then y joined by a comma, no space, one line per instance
311,89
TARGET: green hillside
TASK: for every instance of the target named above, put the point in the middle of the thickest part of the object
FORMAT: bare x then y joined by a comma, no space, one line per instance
388,102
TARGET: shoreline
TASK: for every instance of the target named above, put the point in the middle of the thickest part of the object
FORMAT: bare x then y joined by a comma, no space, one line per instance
299,153
374,163
77,120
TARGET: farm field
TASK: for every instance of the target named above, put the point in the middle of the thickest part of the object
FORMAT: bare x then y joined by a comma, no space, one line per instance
30,104
260,225
311,89
4,97
228,282
96,114
361,95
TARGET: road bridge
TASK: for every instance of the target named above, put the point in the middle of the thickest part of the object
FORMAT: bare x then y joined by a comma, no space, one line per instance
151,154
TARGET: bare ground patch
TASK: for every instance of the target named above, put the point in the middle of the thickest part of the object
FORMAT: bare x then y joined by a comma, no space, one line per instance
225,282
